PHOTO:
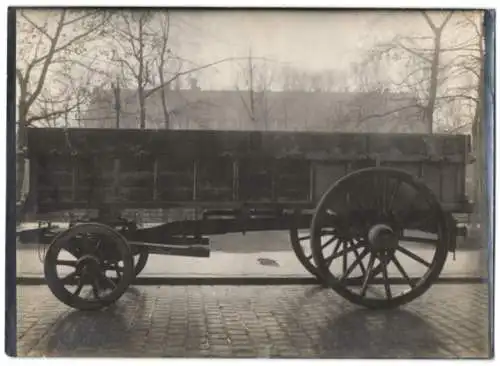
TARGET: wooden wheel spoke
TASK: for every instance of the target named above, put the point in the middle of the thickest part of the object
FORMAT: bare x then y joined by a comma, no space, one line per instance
387,285
402,270
78,289
413,256
70,277
69,263
330,259
337,254
335,250
353,265
95,289
344,257
368,275
108,280
328,242
362,256
74,251
418,240
323,246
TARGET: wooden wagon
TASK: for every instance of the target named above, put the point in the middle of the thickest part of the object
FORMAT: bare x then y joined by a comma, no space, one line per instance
370,204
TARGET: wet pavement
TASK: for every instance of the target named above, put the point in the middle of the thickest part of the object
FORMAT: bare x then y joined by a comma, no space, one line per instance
449,321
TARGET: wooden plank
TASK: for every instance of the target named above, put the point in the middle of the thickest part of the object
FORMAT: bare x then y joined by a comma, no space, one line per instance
198,143
155,184
116,178
195,179
235,180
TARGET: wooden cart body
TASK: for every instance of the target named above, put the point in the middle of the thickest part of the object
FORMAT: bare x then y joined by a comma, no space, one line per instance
92,168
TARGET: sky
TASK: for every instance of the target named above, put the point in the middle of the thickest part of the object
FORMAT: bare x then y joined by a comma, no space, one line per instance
309,40
312,40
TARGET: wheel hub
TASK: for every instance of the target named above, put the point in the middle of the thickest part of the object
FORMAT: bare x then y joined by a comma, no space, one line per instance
88,264
382,237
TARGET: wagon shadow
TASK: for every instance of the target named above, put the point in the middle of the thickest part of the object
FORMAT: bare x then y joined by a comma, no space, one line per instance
364,333
339,329
86,333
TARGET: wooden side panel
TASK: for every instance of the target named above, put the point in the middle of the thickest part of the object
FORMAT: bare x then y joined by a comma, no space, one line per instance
214,180
83,167
292,181
255,179
135,178
203,144
325,175
175,179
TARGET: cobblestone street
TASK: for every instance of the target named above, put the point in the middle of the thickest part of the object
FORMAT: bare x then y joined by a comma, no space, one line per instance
449,321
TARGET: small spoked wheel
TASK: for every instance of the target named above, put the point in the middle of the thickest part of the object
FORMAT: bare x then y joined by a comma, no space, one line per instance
140,261
379,238
89,266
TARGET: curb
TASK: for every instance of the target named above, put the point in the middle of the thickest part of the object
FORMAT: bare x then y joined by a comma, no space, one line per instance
239,281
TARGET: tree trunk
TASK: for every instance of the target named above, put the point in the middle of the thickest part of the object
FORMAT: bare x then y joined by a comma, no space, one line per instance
431,103
117,104
142,101
20,152
166,116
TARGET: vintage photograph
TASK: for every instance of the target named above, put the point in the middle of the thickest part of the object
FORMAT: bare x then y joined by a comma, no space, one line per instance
251,183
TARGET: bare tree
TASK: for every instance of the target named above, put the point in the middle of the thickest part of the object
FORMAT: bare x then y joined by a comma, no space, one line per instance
163,59
141,49
258,78
434,66
47,44
135,53
421,56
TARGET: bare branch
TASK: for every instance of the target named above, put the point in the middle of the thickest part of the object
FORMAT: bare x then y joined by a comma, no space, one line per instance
84,16
459,96
371,116
429,21
446,20
414,52
48,59
181,73
36,26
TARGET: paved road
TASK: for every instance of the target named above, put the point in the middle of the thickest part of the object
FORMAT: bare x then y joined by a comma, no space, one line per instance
255,321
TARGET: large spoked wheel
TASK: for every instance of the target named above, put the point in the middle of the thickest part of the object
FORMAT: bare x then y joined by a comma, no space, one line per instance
89,266
301,245
390,241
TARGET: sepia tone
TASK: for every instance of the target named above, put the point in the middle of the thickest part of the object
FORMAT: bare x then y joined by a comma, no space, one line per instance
175,166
